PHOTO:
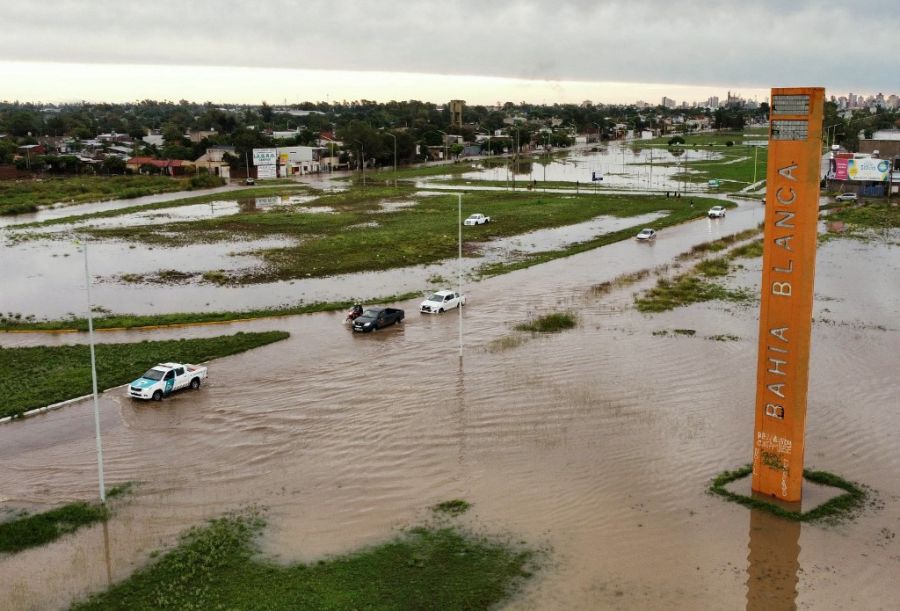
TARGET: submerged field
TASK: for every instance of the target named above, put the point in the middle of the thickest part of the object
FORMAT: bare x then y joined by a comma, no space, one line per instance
378,228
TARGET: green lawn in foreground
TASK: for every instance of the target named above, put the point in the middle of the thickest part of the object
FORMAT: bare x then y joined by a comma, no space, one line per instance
361,236
216,567
41,375
25,196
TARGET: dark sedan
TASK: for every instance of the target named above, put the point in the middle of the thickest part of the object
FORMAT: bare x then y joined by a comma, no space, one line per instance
373,319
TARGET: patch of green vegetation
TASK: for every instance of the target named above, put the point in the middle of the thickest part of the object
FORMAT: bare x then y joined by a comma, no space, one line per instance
454,508
123,489
684,290
619,281
42,528
717,266
837,509
58,373
751,250
217,567
723,337
549,323
18,197
737,168
864,221
688,332
717,245
17,322
506,342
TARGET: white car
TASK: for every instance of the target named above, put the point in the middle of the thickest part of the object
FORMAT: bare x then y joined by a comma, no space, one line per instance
166,378
442,301
716,212
646,234
477,219
847,197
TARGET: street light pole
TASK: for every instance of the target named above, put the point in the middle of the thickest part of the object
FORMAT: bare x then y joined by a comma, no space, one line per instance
90,315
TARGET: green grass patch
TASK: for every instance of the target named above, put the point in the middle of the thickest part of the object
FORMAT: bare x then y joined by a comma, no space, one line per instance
549,323
687,332
684,290
717,245
58,373
454,508
42,528
751,250
217,566
17,197
717,266
837,509
14,322
860,221
723,337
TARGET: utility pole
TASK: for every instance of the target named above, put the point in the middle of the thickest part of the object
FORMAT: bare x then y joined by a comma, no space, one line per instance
90,317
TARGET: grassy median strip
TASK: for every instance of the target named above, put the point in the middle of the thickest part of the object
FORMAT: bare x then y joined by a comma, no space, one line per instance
17,197
136,321
217,566
42,375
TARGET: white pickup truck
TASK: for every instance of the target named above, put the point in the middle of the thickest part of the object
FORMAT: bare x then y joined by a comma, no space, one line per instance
165,378
477,219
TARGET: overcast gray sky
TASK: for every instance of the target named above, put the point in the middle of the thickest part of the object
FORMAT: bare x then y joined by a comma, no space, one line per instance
844,46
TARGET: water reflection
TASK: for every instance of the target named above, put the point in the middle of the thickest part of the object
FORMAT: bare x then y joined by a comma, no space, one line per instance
773,561
106,553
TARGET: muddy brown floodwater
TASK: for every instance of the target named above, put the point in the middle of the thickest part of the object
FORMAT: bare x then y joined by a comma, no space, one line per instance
597,443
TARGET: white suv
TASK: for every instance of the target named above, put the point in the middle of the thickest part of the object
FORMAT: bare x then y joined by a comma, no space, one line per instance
847,197
442,301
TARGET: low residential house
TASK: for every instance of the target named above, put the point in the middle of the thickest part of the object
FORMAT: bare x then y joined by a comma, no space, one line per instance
167,167
214,160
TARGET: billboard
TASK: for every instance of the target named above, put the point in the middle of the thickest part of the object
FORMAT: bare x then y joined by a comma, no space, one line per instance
861,169
868,168
264,156
266,171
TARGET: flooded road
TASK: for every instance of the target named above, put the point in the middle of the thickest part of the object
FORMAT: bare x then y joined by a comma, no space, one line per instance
597,443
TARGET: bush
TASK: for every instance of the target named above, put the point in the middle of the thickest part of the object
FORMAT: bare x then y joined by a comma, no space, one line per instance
205,181
676,140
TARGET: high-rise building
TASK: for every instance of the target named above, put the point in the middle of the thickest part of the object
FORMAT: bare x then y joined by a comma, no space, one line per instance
667,102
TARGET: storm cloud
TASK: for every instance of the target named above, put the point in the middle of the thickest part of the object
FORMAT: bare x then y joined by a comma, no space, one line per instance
842,45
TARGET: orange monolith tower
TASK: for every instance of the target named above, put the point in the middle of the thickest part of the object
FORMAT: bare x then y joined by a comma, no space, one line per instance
785,317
